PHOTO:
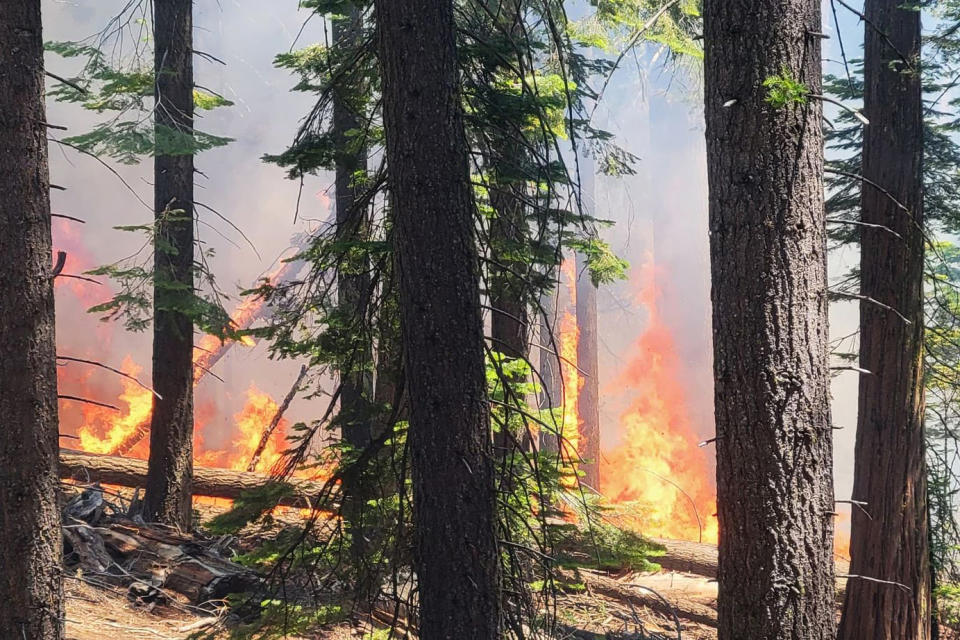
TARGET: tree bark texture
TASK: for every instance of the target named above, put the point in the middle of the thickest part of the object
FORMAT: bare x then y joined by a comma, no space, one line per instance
168,490
31,596
768,259
456,559
889,464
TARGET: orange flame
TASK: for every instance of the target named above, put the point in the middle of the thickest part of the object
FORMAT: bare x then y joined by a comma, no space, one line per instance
660,478
569,340
250,423
103,429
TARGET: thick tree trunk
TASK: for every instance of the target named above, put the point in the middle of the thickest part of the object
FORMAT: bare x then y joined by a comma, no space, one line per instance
31,596
168,491
207,481
889,465
768,257
456,559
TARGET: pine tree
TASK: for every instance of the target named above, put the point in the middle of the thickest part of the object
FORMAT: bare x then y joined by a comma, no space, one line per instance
168,497
354,291
890,470
768,259
30,553
456,559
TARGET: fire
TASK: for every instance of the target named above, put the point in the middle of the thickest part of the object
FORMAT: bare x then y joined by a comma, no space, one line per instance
250,422
569,340
103,429
660,479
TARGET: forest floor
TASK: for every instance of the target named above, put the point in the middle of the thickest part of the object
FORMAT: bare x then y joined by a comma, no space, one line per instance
95,613
614,605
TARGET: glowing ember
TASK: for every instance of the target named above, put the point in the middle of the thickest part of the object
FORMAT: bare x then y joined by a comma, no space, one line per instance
660,480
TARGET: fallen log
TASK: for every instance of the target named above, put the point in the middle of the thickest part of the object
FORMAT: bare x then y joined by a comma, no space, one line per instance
667,604
688,557
701,558
214,483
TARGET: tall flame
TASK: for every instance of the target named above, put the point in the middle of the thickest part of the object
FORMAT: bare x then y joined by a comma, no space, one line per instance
569,340
660,478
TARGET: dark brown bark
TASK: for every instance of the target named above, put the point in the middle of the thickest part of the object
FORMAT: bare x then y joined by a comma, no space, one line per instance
889,465
210,482
353,278
768,258
509,293
168,490
455,551
31,596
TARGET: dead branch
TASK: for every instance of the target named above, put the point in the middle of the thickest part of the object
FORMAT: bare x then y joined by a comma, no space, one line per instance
61,260
64,396
265,437
109,368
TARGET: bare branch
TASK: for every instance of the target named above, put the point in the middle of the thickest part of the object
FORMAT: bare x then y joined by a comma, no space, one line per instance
64,396
109,368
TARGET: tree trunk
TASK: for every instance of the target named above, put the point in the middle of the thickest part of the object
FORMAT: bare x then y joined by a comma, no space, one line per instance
353,290
889,465
551,392
456,559
30,592
509,289
768,258
588,361
168,490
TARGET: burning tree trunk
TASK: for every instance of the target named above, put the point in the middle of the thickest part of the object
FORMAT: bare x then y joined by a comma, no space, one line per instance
768,257
588,362
168,491
587,357
456,558
890,470
30,548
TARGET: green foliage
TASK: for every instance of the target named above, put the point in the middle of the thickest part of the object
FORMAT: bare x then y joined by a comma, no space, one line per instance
783,90
136,278
604,265
947,598
280,619
126,89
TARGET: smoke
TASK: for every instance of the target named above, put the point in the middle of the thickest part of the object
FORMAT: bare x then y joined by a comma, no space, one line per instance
661,211
254,196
